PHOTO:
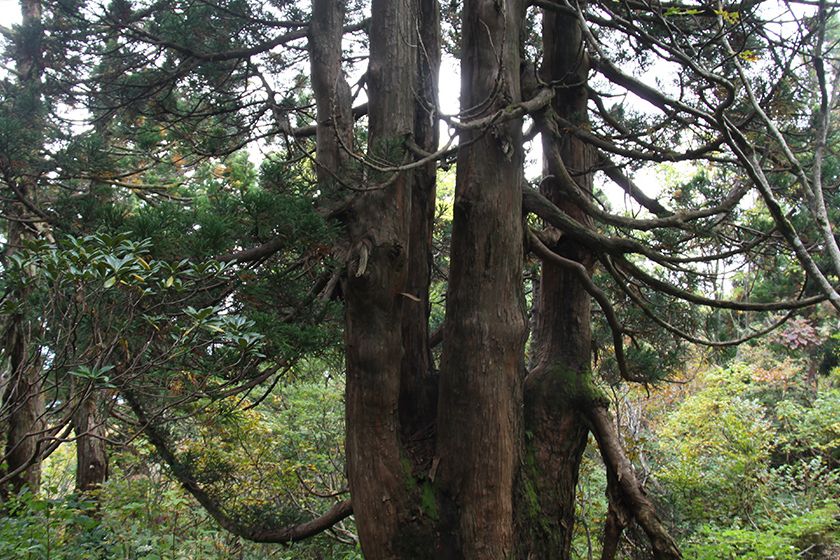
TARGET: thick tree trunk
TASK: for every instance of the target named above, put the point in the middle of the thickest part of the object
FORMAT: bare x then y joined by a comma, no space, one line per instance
560,383
488,491
480,406
375,291
22,404
91,451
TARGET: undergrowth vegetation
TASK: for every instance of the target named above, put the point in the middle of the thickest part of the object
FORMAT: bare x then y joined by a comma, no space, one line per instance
741,458
293,444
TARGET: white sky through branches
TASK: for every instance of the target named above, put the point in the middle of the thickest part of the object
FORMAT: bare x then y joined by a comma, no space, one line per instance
9,12
648,178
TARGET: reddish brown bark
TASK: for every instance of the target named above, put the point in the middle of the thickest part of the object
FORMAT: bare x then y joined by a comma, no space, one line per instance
488,492
22,402
374,289
91,451
560,392
22,406
561,380
334,116
479,414
418,389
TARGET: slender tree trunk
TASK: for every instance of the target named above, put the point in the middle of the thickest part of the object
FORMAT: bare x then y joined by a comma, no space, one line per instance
625,490
617,517
479,414
334,128
91,451
22,404
418,387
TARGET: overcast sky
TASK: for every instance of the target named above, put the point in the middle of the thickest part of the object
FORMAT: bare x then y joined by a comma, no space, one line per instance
9,12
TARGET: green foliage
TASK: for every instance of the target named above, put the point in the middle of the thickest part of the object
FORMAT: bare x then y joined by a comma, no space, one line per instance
784,540
719,544
39,528
717,445
747,460
145,517
123,294
813,428
249,456
290,446
150,201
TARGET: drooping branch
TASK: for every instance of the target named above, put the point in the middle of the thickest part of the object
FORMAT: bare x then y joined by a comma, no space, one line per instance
656,318
536,203
650,153
747,154
680,220
277,535
583,275
533,201
823,123
542,97
308,131
233,54
812,190
670,289
614,172
632,494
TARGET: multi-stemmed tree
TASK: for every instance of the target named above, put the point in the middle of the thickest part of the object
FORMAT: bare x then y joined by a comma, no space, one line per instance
475,453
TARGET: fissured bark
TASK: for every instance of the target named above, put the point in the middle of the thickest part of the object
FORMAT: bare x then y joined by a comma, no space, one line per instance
375,290
334,126
22,405
418,387
22,401
560,382
91,450
480,405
